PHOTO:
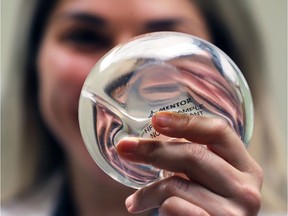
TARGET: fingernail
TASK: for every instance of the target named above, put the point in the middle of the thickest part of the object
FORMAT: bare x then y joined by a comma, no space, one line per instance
163,119
129,203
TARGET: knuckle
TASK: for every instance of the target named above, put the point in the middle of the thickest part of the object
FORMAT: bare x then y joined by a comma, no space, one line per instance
167,207
220,124
221,127
174,206
174,185
254,200
251,197
195,153
258,172
187,120
151,152
139,195
232,211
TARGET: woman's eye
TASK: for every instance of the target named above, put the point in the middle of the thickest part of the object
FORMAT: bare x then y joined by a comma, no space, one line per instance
86,40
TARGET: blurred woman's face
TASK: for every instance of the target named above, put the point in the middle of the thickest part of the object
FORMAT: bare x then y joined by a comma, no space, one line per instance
78,34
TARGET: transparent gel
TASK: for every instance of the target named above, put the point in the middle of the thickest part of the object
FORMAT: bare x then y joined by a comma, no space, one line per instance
162,71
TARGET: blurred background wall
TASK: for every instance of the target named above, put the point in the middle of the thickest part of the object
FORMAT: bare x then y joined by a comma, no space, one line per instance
271,17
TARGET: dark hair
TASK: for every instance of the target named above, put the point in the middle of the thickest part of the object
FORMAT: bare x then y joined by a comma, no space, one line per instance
48,144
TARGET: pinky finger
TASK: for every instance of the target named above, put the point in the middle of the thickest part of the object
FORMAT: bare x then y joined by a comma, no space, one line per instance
175,206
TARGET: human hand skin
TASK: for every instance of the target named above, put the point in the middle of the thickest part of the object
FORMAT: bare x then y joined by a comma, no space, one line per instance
222,179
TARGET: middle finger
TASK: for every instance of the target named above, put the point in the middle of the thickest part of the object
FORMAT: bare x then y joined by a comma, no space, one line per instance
195,161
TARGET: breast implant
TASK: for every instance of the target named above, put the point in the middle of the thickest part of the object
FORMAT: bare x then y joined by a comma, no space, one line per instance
162,71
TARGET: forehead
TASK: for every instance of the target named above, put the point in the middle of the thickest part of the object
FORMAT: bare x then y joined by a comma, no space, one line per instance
135,15
132,10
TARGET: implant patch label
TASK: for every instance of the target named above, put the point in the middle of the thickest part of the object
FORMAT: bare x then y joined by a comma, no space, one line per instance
185,106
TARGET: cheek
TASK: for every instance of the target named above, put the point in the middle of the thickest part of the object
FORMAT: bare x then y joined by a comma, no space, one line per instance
61,76
62,73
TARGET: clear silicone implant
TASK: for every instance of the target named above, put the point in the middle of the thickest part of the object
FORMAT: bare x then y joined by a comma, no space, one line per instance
163,71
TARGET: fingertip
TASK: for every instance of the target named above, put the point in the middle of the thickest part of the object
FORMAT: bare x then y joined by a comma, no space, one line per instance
127,145
129,203
127,148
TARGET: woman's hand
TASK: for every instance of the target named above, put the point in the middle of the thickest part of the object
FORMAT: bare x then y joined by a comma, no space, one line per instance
222,179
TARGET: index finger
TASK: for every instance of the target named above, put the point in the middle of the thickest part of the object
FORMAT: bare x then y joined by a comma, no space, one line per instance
213,132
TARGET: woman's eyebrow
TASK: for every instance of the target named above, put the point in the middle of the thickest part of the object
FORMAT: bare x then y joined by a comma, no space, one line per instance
164,23
84,18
